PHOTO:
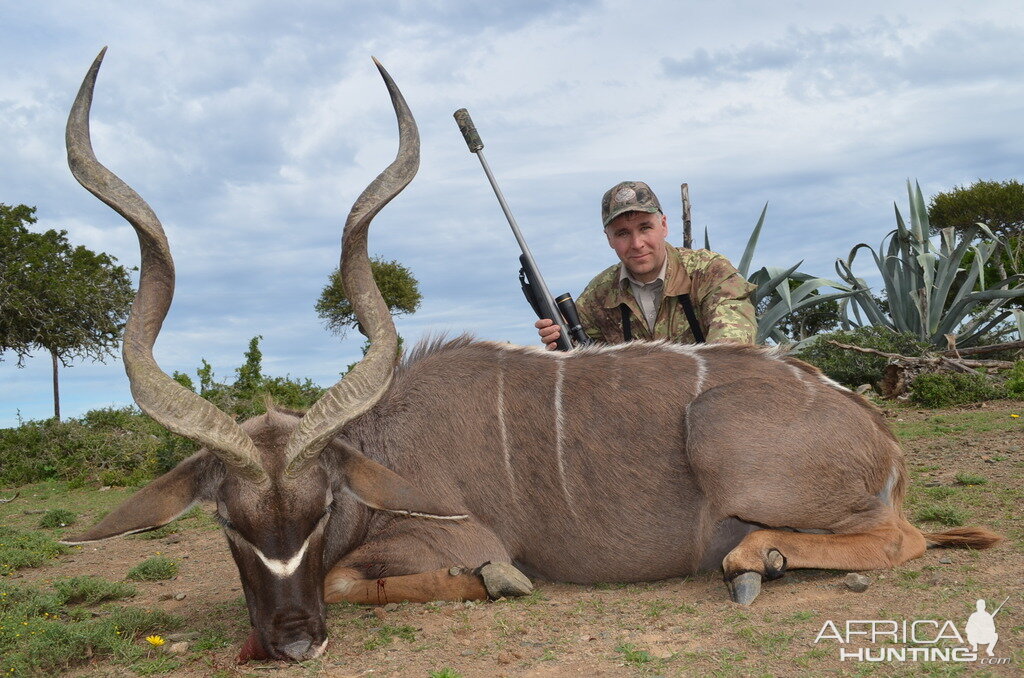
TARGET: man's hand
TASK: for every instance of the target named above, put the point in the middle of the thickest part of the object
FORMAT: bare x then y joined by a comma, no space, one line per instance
549,333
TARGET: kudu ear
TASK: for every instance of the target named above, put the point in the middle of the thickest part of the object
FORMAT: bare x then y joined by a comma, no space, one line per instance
381,488
161,501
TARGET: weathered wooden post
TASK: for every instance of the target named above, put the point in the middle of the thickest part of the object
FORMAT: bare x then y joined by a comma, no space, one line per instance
687,235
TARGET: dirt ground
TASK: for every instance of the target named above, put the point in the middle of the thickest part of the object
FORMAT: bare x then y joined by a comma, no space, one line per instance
676,627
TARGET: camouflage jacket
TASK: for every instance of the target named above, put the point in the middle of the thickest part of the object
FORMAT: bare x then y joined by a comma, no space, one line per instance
720,296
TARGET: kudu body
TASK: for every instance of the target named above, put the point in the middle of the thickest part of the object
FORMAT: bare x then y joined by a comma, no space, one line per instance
617,463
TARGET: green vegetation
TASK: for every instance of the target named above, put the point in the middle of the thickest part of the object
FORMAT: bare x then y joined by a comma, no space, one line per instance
19,549
154,569
634,656
946,389
58,517
65,300
932,290
445,673
852,368
397,285
43,632
387,633
946,514
91,590
970,479
997,204
1014,384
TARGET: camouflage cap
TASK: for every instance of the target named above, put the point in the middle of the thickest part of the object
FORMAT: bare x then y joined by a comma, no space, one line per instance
628,196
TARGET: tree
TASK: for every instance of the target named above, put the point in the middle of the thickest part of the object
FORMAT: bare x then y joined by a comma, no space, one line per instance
67,300
400,289
997,204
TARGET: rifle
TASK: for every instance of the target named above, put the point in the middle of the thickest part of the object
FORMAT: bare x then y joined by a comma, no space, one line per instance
561,310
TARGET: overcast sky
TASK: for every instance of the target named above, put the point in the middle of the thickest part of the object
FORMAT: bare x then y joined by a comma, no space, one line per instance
250,127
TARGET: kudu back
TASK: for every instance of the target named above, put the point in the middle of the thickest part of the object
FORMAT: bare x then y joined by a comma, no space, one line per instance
451,474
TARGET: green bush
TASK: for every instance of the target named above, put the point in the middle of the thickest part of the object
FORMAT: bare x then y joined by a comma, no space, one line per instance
852,368
108,446
57,518
949,388
1014,384
154,569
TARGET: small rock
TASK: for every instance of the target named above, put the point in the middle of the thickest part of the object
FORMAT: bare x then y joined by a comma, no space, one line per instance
104,488
391,607
467,653
857,582
455,571
165,596
172,539
182,635
179,596
178,648
946,560
33,512
379,613
863,388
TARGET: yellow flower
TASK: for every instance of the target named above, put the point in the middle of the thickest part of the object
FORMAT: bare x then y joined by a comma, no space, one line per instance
155,641
1015,416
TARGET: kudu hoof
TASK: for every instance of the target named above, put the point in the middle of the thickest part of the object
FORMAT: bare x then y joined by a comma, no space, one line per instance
743,588
504,580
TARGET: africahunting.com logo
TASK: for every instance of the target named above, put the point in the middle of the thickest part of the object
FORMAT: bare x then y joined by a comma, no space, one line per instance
919,640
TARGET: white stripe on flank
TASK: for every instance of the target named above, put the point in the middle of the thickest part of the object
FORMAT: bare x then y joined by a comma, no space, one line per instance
282,568
559,425
502,430
702,373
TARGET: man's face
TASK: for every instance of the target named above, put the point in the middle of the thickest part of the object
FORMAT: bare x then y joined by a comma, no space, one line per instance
639,240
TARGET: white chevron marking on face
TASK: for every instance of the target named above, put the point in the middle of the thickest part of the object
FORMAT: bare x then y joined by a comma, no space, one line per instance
283,568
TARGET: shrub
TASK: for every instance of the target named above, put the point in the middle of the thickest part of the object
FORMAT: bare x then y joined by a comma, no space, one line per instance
852,368
20,549
949,388
57,518
92,590
1014,384
112,446
154,569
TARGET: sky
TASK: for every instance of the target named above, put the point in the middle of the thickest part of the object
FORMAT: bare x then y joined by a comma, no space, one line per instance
251,126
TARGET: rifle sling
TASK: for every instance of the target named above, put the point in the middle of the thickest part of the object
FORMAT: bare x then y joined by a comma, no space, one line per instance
691,317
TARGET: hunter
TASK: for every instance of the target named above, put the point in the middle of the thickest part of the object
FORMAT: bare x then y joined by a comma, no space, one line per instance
658,291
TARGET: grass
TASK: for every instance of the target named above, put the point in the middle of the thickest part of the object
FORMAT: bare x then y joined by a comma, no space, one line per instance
387,633
445,673
42,632
20,549
59,517
92,590
946,514
634,656
970,479
154,569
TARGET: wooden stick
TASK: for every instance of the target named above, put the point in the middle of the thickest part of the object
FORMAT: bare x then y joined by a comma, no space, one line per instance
976,350
684,189
957,365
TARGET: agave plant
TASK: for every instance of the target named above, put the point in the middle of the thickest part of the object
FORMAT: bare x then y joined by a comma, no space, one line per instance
931,290
774,282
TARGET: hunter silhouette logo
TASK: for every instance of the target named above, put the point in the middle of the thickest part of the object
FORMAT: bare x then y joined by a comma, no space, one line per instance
917,640
981,628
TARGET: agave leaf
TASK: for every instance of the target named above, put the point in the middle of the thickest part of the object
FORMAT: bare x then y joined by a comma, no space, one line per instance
976,330
1018,316
777,282
779,310
707,243
748,252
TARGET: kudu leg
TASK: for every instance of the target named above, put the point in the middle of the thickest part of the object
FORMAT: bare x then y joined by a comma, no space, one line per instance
492,580
769,553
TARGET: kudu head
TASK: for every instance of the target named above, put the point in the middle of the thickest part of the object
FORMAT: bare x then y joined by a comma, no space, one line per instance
274,490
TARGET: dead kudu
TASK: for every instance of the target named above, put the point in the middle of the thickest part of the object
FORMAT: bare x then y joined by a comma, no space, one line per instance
426,480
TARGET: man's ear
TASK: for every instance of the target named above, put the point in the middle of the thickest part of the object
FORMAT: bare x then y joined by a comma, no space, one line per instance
381,488
161,501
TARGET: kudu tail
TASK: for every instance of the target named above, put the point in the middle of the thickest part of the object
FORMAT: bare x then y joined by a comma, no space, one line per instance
963,538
